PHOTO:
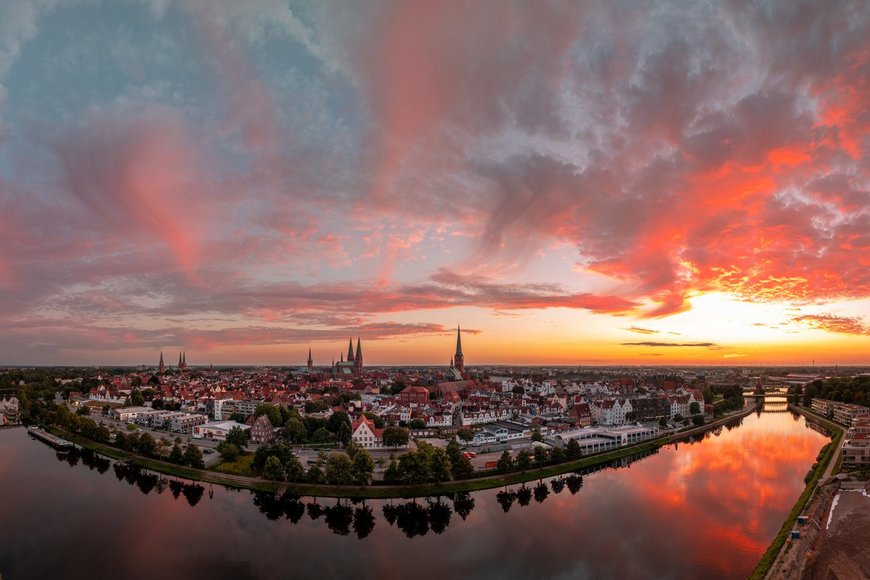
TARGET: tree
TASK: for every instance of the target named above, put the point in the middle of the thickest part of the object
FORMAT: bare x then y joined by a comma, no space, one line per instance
536,435
505,462
557,455
698,420
392,474
541,456
418,424
83,411
294,469
395,436
460,465
465,434
524,460
572,450
315,474
339,469
439,465
321,436
147,445
344,434
317,406
135,399
273,469
414,467
663,422
378,421
238,437
193,457
518,390
229,451
294,430
363,467
271,411
336,420
708,395
694,408
176,455
678,418
811,392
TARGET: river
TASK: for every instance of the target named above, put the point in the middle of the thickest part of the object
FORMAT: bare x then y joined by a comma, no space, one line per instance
706,509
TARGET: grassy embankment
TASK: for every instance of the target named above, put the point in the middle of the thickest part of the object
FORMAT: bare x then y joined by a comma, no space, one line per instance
484,480
769,557
241,466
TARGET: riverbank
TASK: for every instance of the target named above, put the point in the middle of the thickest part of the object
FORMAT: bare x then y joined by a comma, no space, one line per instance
772,557
485,480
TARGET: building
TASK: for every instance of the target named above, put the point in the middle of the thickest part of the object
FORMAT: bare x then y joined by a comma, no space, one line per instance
843,413
353,366
457,363
310,360
414,396
365,434
216,430
128,414
262,430
185,423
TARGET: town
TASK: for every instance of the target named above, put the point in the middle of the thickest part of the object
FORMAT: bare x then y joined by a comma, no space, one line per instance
494,413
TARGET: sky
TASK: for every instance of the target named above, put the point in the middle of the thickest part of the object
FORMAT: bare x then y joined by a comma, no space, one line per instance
581,182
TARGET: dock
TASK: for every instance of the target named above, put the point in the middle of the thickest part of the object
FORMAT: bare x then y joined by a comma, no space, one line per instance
47,437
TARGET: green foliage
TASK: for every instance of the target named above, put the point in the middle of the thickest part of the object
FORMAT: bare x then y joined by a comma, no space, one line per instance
339,469
315,474
418,424
273,469
135,399
176,455
694,408
271,411
363,467
392,475
321,436
698,420
414,467
465,434
524,460
572,450
541,456
294,430
536,435
238,437
147,445
395,436
193,457
83,411
378,421
505,462
335,421
317,406
229,451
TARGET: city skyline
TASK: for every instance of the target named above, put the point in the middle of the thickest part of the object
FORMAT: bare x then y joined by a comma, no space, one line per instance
594,183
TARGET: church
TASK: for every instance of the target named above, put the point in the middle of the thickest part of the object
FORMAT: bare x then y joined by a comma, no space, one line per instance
353,366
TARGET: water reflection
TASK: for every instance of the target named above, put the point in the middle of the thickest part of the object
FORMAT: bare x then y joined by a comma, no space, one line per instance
414,518
705,507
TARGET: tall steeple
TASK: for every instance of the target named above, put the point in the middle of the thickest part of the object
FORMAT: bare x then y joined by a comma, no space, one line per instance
358,359
184,360
162,366
350,350
458,359
180,361
310,360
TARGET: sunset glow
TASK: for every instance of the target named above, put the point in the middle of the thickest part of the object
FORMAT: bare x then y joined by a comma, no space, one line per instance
579,183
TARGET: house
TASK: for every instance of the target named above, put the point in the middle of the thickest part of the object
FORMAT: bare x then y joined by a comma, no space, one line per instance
217,430
262,430
365,434
414,395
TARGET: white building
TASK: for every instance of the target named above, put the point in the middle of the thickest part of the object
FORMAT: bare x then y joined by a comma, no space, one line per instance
216,430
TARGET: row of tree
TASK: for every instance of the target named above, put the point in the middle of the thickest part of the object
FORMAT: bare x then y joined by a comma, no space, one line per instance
843,389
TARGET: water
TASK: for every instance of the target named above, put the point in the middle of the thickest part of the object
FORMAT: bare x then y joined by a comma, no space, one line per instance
702,510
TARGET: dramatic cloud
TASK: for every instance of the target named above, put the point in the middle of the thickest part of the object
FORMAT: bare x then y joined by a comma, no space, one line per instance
688,344
321,167
831,323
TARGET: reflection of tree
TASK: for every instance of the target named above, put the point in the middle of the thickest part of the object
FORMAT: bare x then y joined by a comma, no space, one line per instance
120,471
541,492
339,518
506,499
72,457
315,510
293,508
439,516
524,495
413,519
363,521
146,483
574,483
175,487
269,504
390,513
558,485
193,493
463,504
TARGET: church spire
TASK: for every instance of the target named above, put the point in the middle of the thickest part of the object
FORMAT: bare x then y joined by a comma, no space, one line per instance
162,366
358,359
350,350
458,359
310,360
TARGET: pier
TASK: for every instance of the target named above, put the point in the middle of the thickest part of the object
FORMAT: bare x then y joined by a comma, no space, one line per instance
45,436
